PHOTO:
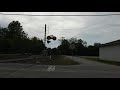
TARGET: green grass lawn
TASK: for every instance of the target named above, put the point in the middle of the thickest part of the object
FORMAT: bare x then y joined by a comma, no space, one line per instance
58,60
102,61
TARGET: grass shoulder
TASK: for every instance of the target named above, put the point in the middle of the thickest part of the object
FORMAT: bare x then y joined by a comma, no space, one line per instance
62,60
101,61
41,60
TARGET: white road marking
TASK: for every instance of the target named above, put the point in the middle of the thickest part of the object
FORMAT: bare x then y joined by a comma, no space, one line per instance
51,68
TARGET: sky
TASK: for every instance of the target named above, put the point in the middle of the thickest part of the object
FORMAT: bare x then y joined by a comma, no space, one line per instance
92,29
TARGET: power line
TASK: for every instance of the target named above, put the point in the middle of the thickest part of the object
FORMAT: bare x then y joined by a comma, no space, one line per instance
60,15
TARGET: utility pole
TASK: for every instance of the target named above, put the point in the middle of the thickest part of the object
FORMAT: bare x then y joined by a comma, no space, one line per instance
44,51
45,36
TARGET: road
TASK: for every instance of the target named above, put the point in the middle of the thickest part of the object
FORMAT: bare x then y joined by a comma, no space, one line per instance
87,69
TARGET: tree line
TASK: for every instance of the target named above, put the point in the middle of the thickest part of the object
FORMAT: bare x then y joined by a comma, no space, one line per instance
14,40
80,48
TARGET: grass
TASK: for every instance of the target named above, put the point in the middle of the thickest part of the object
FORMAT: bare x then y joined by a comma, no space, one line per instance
12,56
62,60
102,61
55,60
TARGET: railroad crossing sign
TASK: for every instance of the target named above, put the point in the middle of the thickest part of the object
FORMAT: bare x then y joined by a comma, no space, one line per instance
72,46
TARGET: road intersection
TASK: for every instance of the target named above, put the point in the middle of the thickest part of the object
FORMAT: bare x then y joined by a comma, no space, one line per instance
87,69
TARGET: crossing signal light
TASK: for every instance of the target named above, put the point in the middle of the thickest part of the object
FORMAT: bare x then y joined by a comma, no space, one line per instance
48,42
54,38
48,37
51,37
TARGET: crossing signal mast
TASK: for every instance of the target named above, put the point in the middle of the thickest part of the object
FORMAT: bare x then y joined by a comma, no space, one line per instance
48,41
45,36
48,37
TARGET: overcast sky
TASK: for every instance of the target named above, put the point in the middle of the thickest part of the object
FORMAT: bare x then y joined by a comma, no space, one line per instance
91,29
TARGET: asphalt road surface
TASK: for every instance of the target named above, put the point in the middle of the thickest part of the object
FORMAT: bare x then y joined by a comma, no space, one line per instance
87,69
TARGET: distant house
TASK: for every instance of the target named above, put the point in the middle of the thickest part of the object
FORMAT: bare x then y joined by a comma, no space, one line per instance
110,51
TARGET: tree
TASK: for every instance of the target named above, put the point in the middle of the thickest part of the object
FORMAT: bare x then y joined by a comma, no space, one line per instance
80,46
64,47
54,51
97,44
93,50
73,40
3,33
15,31
14,40
37,45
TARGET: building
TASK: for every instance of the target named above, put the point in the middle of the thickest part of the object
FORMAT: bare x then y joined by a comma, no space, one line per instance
110,51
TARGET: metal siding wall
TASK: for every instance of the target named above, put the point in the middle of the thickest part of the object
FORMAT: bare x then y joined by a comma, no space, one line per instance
110,53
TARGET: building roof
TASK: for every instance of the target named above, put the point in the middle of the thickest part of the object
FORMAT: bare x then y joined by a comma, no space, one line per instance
117,42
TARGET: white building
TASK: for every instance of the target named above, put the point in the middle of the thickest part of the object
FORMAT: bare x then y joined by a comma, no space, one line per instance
110,51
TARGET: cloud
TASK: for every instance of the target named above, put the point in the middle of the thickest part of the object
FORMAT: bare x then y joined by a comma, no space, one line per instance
91,29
